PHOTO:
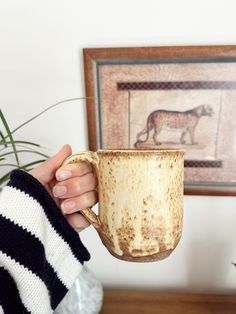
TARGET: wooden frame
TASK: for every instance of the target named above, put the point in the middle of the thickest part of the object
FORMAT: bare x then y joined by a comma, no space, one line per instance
125,86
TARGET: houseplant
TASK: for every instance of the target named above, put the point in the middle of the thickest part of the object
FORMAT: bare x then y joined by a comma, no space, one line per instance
13,149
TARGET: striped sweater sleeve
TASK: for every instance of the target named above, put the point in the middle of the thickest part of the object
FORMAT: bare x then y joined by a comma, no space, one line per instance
40,254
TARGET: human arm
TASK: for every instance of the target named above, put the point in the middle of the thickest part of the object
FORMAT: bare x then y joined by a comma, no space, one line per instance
39,251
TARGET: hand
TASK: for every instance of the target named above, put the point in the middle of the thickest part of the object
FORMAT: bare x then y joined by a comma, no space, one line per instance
72,186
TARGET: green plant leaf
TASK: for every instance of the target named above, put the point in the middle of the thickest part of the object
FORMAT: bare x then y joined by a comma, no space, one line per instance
25,142
21,142
48,108
8,139
32,164
25,151
26,167
9,165
28,143
5,177
3,139
10,136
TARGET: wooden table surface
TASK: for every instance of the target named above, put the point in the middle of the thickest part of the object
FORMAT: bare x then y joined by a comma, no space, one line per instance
130,302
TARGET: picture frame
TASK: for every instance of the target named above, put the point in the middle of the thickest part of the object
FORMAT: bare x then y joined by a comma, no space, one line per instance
175,97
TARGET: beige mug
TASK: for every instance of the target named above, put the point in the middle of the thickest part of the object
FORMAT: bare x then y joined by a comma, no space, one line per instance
140,201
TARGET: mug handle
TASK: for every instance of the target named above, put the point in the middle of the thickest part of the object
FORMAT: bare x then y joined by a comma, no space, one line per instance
92,158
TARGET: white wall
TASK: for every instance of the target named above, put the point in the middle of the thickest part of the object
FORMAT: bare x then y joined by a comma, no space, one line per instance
41,63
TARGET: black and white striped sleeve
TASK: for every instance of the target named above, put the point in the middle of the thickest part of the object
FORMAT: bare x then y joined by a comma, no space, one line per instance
40,254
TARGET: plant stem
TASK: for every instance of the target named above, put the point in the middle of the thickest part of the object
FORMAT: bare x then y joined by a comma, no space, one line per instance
48,108
9,134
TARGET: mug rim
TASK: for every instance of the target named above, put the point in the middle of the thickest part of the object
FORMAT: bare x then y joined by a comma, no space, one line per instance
145,150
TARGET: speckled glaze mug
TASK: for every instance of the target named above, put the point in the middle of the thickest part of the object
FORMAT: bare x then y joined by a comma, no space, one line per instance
140,201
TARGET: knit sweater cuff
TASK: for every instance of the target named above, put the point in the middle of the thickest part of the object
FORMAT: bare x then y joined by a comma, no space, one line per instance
38,248
28,184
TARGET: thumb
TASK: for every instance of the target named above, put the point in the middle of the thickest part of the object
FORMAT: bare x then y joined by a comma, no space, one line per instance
46,171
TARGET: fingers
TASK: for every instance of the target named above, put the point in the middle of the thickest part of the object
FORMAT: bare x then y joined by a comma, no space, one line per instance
73,170
71,209
75,186
77,221
80,202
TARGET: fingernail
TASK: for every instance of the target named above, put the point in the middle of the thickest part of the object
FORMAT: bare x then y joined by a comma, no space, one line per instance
67,206
59,190
63,174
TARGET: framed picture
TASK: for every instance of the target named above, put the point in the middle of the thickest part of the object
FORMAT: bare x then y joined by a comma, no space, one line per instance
175,97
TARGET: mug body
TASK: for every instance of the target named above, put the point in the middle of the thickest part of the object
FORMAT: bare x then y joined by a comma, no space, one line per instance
140,202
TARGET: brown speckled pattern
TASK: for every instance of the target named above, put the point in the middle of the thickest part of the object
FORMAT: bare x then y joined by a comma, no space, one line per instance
140,202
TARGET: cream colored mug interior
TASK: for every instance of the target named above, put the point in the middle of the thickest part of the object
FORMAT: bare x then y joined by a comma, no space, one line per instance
140,201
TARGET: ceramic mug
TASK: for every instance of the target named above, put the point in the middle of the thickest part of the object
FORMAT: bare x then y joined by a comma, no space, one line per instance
140,201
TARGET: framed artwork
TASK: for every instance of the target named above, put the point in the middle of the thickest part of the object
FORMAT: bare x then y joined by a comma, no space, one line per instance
175,97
